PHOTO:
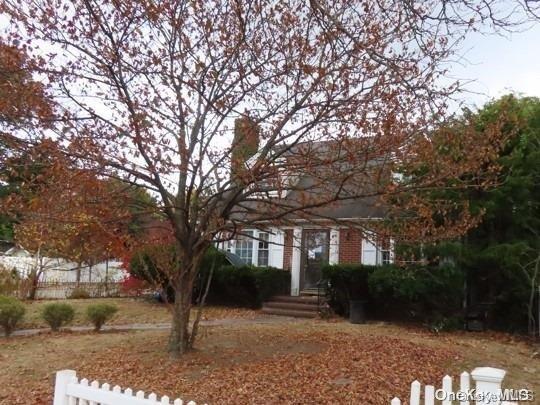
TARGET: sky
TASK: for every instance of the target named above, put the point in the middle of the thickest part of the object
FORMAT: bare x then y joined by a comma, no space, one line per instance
500,64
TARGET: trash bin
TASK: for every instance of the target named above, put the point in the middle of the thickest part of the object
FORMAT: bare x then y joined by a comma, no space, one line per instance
357,313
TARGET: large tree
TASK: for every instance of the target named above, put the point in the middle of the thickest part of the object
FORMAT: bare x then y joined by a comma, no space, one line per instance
60,210
23,104
504,250
151,91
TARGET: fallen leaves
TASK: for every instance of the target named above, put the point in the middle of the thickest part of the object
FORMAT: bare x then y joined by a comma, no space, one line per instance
290,363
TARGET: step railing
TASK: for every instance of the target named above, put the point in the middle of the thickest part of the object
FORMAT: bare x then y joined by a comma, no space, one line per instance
68,390
488,390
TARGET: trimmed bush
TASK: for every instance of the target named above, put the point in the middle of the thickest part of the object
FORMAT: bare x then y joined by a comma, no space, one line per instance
346,282
427,293
270,281
245,286
79,294
98,314
431,294
11,313
57,315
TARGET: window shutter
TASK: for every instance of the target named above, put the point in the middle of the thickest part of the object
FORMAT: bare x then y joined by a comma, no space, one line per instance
369,252
276,247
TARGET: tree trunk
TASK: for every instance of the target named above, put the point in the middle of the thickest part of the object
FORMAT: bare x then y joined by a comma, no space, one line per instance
179,338
33,285
201,302
78,275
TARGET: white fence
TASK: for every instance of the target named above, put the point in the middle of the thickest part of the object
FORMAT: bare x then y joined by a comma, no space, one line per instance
488,390
54,291
68,390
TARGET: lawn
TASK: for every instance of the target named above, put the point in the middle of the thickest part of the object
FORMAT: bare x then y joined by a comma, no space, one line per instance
130,311
288,362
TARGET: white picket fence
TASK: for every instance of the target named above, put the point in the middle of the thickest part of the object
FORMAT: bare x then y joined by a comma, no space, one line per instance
68,390
488,390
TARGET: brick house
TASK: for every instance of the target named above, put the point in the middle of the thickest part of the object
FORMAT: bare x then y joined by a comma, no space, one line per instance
332,234
304,249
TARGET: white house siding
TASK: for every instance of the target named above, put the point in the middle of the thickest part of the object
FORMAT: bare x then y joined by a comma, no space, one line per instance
62,271
277,248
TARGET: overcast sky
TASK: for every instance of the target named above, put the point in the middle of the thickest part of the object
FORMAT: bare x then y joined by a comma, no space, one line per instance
499,65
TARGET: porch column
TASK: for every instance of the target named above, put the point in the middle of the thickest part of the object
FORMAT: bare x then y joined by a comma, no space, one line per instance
333,254
296,261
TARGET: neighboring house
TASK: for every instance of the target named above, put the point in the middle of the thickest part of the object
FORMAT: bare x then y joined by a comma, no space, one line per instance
304,243
56,270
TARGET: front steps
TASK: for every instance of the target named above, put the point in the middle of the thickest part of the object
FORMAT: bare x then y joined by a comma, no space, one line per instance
304,306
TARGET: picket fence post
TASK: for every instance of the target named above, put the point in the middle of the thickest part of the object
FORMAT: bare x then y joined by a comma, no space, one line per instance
488,381
68,390
63,378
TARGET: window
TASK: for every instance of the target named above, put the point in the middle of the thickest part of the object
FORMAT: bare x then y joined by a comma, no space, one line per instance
262,251
244,247
385,249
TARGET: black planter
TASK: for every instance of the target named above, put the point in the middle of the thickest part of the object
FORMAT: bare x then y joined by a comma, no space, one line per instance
357,313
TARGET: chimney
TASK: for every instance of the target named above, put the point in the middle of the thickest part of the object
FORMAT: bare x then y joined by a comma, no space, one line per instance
245,144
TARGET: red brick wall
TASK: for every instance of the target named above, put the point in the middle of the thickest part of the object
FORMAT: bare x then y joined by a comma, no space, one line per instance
287,251
350,245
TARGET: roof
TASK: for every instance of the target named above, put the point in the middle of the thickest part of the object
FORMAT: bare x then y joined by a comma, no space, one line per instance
336,184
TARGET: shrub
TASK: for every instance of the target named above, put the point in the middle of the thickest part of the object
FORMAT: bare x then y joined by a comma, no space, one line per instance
98,314
445,324
430,294
79,294
57,315
147,264
11,312
133,286
346,282
245,286
270,281
424,292
10,281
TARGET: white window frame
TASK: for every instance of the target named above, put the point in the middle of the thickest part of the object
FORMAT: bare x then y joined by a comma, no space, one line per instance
257,244
254,246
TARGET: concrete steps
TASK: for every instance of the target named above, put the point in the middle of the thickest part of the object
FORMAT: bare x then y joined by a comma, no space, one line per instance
290,312
303,306
310,292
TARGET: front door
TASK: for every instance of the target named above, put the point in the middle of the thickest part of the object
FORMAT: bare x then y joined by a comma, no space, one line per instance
315,248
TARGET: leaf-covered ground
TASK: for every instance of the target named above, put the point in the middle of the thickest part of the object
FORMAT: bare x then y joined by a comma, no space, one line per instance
302,362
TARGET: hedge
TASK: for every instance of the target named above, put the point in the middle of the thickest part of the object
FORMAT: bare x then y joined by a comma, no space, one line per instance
426,293
245,286
346,282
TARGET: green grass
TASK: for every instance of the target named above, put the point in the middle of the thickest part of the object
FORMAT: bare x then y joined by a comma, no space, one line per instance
130,310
